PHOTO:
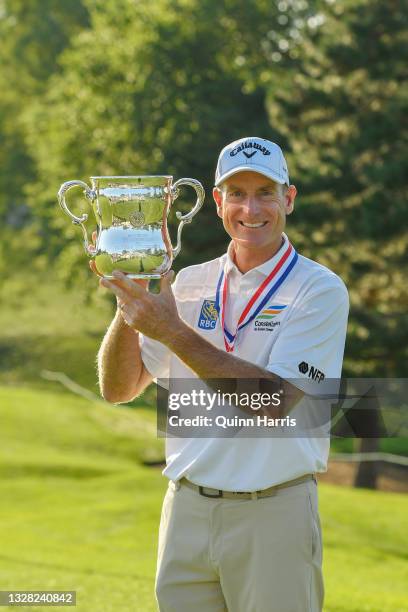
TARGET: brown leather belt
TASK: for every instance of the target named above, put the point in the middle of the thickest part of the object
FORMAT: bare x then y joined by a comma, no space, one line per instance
218,493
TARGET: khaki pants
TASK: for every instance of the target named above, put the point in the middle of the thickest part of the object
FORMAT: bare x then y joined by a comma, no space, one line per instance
260,555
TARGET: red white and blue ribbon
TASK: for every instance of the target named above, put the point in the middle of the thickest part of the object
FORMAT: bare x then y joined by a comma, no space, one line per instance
259,299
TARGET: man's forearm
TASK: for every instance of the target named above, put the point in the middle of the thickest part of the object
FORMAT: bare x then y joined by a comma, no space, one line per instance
119,362
211,363
206,360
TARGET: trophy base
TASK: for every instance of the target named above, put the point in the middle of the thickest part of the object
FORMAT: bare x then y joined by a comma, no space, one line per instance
135,276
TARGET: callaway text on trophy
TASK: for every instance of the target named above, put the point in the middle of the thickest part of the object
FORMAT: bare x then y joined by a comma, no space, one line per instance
131,213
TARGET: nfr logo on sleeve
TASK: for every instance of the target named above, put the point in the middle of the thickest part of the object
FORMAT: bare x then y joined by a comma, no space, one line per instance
208,315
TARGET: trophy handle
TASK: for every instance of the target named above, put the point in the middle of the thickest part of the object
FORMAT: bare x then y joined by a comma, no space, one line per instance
187,218
77,220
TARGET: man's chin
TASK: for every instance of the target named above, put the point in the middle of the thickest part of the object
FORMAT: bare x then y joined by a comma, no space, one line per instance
249,243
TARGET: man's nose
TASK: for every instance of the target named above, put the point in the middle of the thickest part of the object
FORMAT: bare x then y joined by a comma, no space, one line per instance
251,205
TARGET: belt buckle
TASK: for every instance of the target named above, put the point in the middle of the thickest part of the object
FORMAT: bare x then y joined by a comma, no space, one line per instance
216,496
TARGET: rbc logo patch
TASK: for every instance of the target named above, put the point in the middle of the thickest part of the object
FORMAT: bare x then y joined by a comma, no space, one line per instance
208,315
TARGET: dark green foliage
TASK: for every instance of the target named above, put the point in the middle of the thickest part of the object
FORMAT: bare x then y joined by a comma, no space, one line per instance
344,115
33,33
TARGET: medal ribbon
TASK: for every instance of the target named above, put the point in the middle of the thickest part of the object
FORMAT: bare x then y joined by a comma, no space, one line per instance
258,300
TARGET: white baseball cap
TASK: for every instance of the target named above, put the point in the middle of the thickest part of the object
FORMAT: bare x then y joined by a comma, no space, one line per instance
255,154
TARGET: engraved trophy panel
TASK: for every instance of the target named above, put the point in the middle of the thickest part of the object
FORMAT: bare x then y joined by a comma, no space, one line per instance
131,213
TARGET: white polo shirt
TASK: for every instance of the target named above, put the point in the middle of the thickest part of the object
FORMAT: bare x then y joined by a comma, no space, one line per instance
308,327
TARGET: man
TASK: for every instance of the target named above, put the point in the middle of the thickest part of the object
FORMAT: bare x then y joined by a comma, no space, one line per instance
240,528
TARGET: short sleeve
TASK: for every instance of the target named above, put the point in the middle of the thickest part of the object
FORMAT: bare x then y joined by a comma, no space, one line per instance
155,356
310,345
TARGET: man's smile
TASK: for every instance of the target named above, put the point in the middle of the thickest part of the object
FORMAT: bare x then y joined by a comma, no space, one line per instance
253,225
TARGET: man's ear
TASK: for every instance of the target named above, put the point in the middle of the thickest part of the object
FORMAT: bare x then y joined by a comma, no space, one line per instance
290,199
217,195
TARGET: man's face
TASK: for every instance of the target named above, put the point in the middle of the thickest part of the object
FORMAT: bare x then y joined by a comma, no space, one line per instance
253,209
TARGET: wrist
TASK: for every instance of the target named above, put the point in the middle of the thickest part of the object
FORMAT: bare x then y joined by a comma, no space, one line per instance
120,322
177,336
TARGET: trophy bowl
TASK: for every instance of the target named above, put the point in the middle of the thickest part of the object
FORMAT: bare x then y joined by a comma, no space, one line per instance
131,214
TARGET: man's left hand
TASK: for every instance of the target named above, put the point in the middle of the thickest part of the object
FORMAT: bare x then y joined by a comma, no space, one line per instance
154,315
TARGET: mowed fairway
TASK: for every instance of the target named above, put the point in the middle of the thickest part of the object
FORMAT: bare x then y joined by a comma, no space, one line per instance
79,511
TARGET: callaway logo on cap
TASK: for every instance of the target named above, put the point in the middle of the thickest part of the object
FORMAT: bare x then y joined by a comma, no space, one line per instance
252,153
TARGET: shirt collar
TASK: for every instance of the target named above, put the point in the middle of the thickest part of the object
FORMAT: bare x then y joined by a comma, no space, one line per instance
264,268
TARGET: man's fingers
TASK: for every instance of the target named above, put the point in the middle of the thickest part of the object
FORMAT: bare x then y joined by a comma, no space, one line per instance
143,282
120,292
166,280
128,284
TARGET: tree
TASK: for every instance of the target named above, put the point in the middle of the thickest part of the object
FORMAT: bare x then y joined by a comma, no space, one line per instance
33,34
343,113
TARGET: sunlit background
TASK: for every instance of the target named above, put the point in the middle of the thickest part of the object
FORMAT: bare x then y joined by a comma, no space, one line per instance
102,87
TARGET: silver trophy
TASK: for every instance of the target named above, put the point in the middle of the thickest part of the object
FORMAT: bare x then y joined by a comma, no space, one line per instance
131,213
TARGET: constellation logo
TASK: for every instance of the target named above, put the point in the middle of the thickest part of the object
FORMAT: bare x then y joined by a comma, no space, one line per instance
311,371
263,320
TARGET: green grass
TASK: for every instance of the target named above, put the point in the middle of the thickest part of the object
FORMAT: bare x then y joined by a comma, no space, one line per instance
44,326
365,549
79,508
79,511
96,536
395,446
